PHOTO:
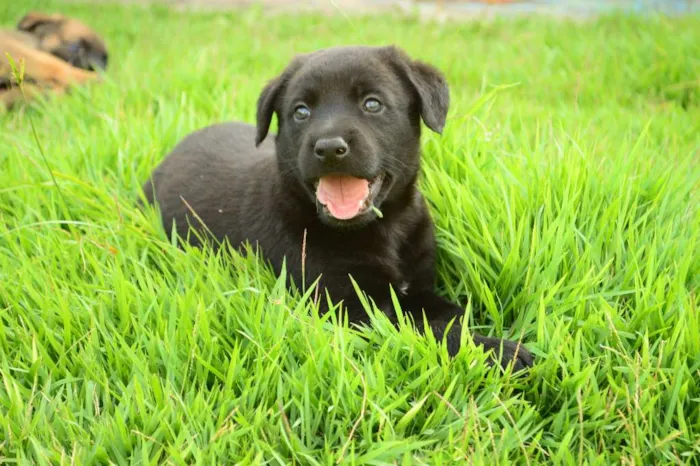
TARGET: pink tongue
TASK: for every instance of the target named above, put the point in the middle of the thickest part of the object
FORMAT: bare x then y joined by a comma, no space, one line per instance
343,195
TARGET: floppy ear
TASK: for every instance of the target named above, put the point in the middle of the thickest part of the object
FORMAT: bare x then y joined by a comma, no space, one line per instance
270,95
431,87
266,107
35,19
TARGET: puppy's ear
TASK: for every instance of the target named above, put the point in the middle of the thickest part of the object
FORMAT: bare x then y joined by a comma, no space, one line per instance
266,107
34,19
430,85
271,95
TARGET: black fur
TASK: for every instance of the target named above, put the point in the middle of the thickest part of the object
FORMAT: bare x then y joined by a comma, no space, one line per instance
244,188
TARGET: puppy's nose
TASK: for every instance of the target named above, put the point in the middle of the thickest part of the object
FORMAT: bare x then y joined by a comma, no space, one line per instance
332,149
98,61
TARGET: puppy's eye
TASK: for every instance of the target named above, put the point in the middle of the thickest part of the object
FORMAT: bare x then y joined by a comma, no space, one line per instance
372,105
301,113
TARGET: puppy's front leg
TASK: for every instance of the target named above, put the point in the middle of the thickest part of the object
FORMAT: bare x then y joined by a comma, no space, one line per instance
14,95
44,68
440,312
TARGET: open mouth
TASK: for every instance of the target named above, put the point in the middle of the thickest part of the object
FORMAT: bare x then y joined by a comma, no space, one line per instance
346,197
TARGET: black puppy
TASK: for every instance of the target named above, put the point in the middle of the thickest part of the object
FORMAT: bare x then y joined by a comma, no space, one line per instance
342,172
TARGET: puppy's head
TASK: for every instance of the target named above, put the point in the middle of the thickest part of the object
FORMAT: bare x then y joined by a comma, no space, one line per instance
66,38
349,127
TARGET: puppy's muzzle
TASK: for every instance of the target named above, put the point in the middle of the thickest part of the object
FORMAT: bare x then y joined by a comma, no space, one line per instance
98,61
95,61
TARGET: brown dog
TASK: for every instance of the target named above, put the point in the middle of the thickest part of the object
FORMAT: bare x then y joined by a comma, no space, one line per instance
57,52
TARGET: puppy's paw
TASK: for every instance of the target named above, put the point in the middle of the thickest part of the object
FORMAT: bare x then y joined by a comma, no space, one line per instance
502,352
82,76
506,352
68,76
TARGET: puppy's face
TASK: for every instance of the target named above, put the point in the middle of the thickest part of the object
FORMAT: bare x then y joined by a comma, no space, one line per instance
349,127
66,38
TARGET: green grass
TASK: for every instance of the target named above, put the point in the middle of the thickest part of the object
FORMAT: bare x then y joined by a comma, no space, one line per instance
565,191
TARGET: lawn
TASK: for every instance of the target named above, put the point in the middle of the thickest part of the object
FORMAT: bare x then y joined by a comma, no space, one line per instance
565,190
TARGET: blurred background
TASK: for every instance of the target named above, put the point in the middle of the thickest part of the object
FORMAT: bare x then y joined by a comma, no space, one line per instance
457,8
